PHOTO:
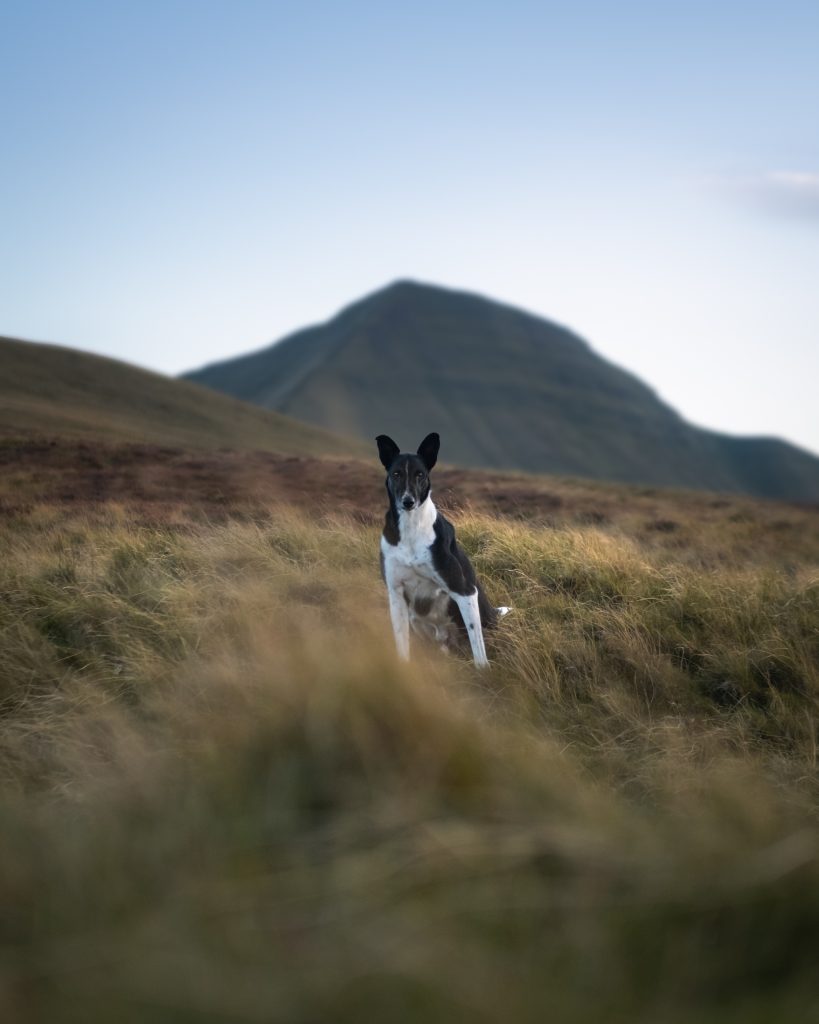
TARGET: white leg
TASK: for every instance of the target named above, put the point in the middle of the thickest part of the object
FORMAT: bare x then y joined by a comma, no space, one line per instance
471,615
399,614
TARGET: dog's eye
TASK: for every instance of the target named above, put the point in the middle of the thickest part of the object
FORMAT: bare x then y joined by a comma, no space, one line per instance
419,475
396,475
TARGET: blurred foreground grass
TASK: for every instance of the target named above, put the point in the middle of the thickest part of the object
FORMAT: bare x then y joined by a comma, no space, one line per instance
223,799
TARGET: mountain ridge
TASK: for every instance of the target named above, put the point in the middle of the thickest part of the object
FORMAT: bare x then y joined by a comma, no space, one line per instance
505,388
397,286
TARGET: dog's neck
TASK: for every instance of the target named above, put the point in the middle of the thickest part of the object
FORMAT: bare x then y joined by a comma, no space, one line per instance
418,523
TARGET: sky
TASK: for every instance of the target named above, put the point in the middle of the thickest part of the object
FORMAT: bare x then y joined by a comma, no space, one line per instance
186,181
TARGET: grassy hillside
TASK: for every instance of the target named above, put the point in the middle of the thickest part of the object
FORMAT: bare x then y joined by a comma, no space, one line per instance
223,799
505,389
48,390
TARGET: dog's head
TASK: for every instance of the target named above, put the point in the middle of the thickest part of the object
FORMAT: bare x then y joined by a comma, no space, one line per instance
407,474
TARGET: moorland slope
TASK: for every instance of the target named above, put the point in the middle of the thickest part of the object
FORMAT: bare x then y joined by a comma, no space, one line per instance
223,798
50,390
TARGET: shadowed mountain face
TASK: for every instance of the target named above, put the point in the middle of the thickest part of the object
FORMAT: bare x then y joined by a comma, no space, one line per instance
505,389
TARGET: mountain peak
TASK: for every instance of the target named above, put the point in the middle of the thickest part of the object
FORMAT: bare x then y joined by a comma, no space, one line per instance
504,388
409,290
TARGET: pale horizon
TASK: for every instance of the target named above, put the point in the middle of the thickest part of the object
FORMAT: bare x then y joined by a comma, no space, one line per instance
189,184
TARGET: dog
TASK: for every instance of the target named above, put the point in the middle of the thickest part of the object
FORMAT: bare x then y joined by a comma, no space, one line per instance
431,584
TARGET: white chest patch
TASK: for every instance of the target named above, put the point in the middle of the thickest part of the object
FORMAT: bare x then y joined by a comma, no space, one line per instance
411,556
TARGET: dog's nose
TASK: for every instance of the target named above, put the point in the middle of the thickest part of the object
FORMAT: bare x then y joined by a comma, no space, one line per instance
408,502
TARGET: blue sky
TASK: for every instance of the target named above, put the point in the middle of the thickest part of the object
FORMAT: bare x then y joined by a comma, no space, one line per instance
183,181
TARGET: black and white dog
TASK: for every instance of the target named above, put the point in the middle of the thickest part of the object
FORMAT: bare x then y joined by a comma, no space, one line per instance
430,581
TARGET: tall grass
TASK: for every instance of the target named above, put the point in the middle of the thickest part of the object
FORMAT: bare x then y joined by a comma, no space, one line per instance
224,799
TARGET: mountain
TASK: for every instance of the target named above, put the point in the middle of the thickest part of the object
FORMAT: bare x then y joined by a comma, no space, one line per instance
46,389
505,389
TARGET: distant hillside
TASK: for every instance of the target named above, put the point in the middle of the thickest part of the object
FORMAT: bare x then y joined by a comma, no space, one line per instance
505,389
47,389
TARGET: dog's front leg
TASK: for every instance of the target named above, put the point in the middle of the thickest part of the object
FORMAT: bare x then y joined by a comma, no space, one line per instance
399,614
470,613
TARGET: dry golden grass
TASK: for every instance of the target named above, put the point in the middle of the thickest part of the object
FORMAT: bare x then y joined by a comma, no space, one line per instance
222,798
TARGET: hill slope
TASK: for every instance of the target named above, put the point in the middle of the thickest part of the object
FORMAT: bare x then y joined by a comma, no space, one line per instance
47,389
505,389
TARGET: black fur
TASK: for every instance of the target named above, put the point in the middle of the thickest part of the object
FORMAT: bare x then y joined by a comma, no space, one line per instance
428,450
387,450
453,566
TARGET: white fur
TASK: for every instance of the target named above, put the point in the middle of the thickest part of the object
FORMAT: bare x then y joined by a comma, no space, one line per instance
410,574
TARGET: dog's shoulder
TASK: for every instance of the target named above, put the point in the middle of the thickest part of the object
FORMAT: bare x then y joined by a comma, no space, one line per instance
444,532
449,558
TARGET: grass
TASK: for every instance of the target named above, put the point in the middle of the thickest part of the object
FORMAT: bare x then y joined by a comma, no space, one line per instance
222,798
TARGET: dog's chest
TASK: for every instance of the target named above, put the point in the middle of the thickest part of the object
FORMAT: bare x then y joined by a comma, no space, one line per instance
409,562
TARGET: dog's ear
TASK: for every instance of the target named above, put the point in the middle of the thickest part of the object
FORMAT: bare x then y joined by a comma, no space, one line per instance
387,450
428,450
